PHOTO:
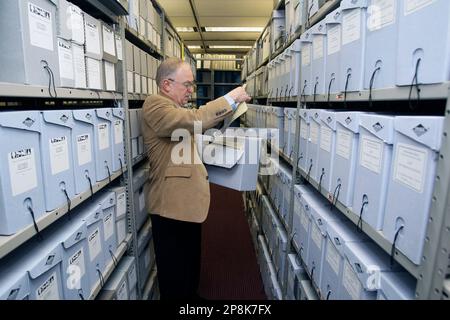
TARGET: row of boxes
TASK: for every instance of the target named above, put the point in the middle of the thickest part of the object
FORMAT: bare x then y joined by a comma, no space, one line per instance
145,20
55,42
72,256
140,177
72,149
122,285
268,273
368,45
343,263
372,163
146,254
137,140
141,70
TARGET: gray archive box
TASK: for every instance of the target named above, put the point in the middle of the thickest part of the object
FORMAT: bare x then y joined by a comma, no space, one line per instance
29,52
327,149
302,224
303,141
57,157
92,215
351,75
139,195
72,236
109,51
319,56
417,142
70,22
397,286
136,59
134,132
306,85
66,64
333,22
14,283
102,143
110,71
21,192
424,33
93,32
107,201
83,149
381,43
312,163
116,288
346,155
338,234
376,137
117,134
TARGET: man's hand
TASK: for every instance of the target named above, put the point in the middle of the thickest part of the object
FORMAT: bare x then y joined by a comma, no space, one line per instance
239,95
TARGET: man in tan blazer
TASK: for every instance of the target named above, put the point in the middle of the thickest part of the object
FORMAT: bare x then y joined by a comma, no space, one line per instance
177,195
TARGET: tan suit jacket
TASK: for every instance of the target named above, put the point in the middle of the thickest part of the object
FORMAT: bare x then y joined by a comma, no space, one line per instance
177,191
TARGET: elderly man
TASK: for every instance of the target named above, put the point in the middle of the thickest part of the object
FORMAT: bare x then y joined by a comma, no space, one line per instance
177,195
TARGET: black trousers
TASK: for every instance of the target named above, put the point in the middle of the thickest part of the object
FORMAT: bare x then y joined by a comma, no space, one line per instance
177,253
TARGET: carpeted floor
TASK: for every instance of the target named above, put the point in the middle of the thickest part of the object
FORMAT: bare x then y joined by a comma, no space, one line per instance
229,267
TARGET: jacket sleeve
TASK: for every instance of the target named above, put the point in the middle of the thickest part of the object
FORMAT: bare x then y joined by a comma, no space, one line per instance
163,117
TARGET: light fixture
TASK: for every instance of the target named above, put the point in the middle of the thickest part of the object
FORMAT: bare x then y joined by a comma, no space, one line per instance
230,47
234,29
194,47
185,29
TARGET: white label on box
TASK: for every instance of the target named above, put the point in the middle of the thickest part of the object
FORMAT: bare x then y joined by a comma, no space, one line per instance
49,289
144,86
110,76
137,83
65,61
119,47
412,6
306,54
141,201
314,132
381,14
108,226
84,149
103,136
79,66
121,204
130,82
344,143
121,230
304,220
325,138
351,26
92,38
318,47
122,292
410,166
93,73
41,27
77,24
109,41
77,259
333,258
59,155
371,154
22,171
351,282
303,129
118,131
334,39
94,243
316,235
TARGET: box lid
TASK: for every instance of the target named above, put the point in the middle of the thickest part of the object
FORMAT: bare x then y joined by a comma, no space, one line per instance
381,126
424,130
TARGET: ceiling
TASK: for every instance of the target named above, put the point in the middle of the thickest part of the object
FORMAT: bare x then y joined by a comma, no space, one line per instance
218,13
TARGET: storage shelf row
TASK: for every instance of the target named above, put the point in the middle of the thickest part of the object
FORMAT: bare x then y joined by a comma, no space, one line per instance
132,36
10,243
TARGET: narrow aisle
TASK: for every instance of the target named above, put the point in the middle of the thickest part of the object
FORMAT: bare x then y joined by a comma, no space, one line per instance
229,266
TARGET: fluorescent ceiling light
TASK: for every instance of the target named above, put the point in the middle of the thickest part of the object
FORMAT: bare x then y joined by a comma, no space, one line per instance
194,47
230,47
234,29
185,29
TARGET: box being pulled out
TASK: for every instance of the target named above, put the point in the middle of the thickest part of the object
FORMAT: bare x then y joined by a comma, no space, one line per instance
233,159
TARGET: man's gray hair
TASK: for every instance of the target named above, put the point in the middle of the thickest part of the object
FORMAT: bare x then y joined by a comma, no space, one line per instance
167,69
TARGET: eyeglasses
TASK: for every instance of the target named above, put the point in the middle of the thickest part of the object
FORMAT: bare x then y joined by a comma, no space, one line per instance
187,84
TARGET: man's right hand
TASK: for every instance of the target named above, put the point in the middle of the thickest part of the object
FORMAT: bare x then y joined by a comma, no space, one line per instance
239,95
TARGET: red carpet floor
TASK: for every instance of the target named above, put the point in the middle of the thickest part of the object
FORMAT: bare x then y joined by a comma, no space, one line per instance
229,267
